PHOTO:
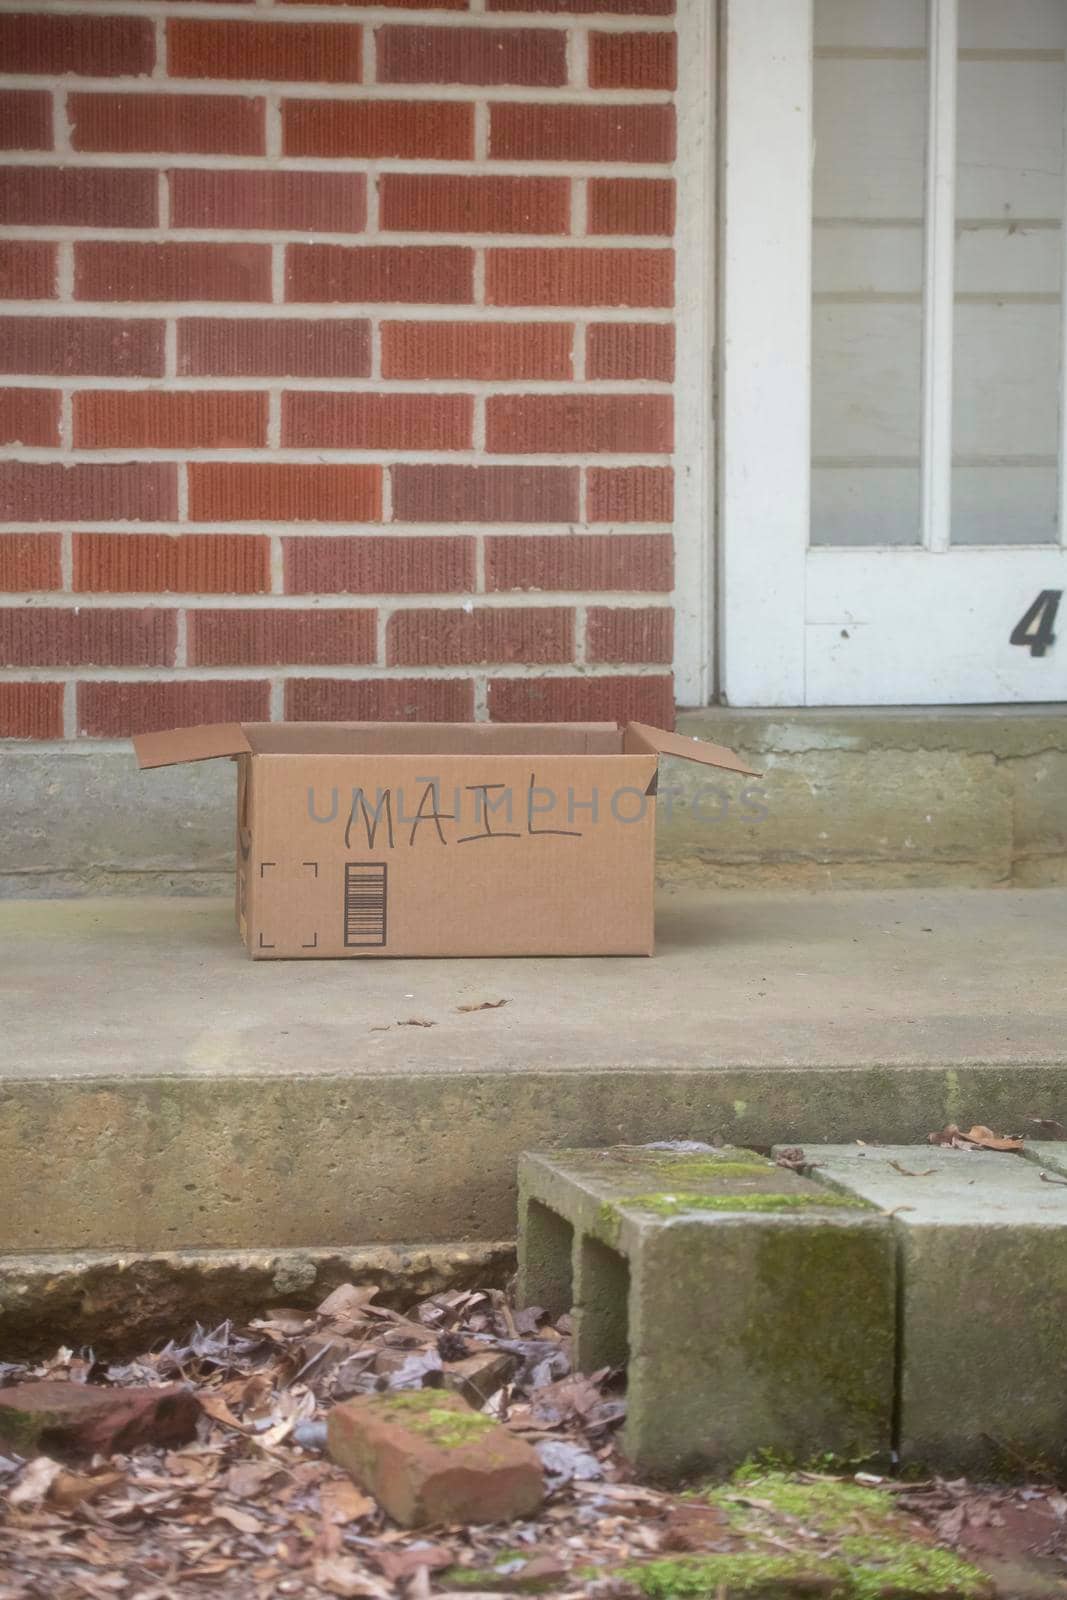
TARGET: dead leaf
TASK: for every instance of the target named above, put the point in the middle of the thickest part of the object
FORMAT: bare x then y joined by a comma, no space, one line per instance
347,1303
37,1479
397,1564
342,1502
243,1521
341,1575
414,1022
986,1139
70,1489
219,1411
247,1478
483,1005
905,1172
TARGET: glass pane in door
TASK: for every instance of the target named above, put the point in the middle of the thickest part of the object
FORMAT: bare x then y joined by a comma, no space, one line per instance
870,114
1008,271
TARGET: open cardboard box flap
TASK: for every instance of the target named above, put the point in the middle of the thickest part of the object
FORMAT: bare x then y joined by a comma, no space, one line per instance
211,741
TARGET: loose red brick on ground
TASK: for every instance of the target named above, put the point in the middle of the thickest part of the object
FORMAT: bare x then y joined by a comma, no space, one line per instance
175,270
29,562
436,203
25,119
377,421
300,202
580,423
485,634
27,270
484,350
378,700
630,494
534,57
630,634
369,564
577,277
609,699
80,1419
484,494
157,420
309,52
250,491
413,129
105,197
82,346
433,275
53,636
29,416
580,562
258,347
117,710
31,710
630,350
193,124
631,205
160,563
328,637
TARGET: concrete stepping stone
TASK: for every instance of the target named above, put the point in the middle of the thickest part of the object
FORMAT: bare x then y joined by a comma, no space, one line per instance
982,1266
754,1308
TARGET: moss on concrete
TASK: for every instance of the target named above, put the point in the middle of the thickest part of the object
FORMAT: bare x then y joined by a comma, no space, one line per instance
428,1413
607,1224
672,1205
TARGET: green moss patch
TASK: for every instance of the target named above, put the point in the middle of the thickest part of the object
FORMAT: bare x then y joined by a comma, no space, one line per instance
428,1413
672,1205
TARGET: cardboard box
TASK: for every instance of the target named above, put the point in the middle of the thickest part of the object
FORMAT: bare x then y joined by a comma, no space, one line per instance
442,839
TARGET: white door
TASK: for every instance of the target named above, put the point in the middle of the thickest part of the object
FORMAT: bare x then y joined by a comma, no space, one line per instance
893,492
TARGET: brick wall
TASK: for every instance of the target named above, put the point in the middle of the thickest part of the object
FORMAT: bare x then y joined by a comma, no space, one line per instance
337,348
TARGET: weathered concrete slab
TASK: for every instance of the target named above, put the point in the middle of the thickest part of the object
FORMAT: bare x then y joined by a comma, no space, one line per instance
159,1091
983,1274
875,798
753,1309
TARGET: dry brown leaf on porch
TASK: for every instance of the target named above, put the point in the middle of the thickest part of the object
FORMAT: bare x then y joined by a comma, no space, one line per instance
986,1139
483,1005
906,1172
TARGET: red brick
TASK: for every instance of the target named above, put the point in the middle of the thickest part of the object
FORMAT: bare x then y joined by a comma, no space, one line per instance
583,700
252,491
335,638
621,633
415,202
129,491
581,132
630,350
258,348
27,270
633,60
536,57
117,710
195,124
25,119
372,565
54,636
29,562
420,638
581,562
630,494
171,271
29,416
631,205
484,494
282,52
93,47
585,423
552,277
499,350
378,421
304,202
31,711
81,346
441,275
70,197
619,8
160,563
416,129
379,700
155,419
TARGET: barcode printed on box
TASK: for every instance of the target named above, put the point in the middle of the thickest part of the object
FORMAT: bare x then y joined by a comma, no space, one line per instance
365,902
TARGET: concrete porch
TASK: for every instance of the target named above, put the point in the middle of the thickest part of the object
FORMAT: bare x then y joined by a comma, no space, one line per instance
160,1092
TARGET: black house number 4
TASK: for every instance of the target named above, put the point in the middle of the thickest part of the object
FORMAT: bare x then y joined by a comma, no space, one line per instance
1034,627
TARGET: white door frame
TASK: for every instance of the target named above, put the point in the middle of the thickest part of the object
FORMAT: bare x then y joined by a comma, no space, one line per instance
838,625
